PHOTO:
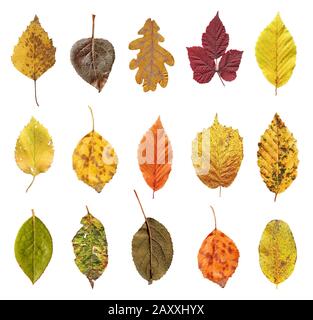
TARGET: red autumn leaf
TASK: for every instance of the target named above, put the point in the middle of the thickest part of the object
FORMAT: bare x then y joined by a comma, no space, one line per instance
215,39
204,60
229,64
202,65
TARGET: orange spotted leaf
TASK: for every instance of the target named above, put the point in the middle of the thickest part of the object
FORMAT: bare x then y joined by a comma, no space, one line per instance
218,257
155,156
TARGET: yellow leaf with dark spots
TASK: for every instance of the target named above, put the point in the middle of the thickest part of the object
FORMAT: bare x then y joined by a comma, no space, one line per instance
94,160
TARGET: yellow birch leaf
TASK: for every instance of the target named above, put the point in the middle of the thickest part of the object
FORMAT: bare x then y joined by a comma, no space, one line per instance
217,153
151,58
278,156
94,160
277,251
34,53
34,149
276,53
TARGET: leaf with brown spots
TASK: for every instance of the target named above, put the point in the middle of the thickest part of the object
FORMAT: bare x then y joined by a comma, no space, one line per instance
34,53
277,251
151,58
93,58
218,257
94,160
278,156
155,156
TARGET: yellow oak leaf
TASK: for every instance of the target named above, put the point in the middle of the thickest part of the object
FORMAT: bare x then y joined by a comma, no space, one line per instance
277,251
151,59
94,160
217,153
34,149
278,156
276,53
34,53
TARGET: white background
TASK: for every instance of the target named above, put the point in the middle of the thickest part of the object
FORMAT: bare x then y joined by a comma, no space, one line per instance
123,113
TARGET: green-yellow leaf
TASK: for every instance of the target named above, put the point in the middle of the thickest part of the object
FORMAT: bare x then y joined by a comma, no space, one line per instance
34,149
277,251
94,160
34,53
91,248
33,248
276,53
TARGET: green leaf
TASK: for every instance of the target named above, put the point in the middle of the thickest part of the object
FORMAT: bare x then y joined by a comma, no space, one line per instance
33,248
152,249
91,248
277,251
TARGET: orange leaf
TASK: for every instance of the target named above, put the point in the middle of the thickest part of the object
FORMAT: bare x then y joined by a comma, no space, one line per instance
155,156
218,257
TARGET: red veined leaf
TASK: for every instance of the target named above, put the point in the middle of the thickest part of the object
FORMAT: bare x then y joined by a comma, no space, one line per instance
229,64
215,39
202,65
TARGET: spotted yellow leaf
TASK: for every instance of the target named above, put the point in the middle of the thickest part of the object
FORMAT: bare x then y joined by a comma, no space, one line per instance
34,149
276,53
217,153
277,251
94,160
34,53
151,58
278,156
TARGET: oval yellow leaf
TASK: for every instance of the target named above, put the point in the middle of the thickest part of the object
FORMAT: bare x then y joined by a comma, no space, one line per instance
277,251
34,53
276,53
94,160
34,149
217,153
278,156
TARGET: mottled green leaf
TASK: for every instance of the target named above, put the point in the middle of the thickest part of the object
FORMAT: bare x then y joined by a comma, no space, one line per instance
277,251
33,248
91,248
152,249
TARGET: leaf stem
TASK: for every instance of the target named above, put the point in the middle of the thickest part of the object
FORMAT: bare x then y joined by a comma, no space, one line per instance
275,90
35,89
220,78
87,210
220,192
31,183
93,47
33,213
214,216
149,233
92,118
275,197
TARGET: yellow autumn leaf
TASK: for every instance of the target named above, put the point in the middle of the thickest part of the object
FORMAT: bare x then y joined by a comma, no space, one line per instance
34,53
34,149
277,251
276,53
217,153
278,156
152,57
94,160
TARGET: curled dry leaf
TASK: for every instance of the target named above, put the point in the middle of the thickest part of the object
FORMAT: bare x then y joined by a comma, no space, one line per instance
204,60
276,53
152,249
277,251
155,156
33,248
278,156
151,58
93,58
94,160
218,257
34,149
217,153
91,248
34,53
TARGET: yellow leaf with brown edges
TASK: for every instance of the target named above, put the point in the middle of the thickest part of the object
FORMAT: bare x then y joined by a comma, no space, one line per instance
217,153
218,257
34,53
278,156
151,58
94,160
